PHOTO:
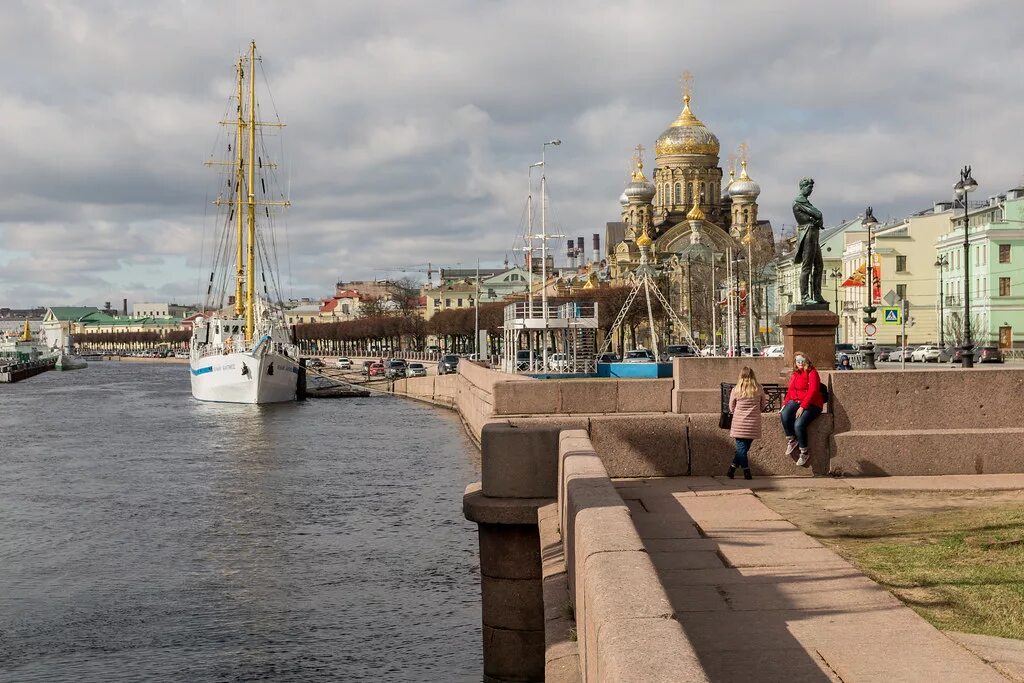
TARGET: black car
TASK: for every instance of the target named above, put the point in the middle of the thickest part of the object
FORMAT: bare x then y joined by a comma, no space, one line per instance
678,351
883,352
395,368
990,354
448,364
609,358
958,352
314,363
522,360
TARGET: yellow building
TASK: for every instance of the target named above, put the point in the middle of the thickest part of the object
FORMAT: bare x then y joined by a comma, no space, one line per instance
904,257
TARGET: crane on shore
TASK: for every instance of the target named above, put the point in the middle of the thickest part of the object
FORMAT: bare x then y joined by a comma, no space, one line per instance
415,268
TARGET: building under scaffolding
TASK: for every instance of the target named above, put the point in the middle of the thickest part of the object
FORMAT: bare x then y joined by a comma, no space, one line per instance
561,339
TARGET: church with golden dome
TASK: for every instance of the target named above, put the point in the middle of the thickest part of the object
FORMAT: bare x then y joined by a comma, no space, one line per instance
686,203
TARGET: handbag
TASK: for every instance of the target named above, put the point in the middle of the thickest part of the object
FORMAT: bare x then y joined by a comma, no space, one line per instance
725,421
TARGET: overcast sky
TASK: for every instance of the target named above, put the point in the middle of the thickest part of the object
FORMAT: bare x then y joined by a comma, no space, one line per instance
411,124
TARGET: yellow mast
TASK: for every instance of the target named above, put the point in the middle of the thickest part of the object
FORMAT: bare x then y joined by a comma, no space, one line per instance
250,282
240,256
26,334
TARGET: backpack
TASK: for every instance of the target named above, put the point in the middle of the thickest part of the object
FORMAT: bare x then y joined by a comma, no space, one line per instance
824,391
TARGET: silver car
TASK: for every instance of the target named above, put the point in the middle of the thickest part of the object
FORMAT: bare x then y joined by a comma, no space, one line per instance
416,370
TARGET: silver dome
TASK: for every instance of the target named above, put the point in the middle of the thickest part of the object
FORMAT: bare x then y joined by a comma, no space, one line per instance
641,189
744,187
623,199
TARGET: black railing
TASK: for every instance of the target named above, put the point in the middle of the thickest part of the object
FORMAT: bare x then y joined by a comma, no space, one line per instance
776,393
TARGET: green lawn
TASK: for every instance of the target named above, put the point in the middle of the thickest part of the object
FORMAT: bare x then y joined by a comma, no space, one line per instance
962,570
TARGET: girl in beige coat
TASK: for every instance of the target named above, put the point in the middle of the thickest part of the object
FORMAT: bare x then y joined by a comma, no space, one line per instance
746,402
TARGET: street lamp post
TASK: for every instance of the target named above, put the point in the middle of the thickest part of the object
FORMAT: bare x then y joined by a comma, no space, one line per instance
963,188
837,275
941,264
869,319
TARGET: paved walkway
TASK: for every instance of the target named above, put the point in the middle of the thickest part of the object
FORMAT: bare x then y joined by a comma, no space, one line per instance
761,600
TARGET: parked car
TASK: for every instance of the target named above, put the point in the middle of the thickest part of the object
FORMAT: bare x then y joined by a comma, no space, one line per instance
181,354
900,353
314,363
883,352
678,351
558,362
416,370
774,351
433,349
376,370
844,349
522,360
711,350
448,364
343,363
929,353
639,356
606,358
956,356
396,368
990,354
366,367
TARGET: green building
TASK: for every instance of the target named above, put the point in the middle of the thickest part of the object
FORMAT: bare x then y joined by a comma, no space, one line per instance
996,252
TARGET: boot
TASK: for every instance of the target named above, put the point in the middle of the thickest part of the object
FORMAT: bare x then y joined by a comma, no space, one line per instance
746,473
732,471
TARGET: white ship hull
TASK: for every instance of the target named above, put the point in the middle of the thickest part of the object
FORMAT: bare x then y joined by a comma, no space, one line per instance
220,378
67,361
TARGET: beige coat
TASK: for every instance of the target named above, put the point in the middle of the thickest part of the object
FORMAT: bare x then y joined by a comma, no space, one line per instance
746,415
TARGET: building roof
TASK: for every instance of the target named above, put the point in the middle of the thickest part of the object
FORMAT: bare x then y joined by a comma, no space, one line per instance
72,313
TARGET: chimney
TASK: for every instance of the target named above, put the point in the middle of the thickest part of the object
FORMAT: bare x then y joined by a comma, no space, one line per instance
124,302
597,248
570,252
581,252
231,299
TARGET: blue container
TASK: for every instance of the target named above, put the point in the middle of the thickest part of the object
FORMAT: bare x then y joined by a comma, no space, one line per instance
640,370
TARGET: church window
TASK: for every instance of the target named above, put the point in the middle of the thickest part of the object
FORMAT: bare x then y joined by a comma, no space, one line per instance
703,192
746,216
679,193
659,194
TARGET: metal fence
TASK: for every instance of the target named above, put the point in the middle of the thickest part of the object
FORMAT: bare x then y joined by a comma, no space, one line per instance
776,393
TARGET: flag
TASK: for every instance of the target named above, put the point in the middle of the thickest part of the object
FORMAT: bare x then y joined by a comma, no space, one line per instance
858,278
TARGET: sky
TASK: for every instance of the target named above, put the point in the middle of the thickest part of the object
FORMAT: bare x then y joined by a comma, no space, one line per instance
411,125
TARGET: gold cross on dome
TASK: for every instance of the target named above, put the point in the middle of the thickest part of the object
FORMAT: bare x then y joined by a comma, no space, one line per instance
744,151
686,82
638,158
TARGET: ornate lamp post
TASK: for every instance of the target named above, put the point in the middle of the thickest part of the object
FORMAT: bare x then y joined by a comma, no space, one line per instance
963,188
869,319
941,263
836,274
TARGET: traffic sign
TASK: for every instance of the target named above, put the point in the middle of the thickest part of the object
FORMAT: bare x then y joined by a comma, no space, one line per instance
890,298
870,330
891,315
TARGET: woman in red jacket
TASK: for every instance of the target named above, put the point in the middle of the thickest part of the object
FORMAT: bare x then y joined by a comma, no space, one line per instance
803,403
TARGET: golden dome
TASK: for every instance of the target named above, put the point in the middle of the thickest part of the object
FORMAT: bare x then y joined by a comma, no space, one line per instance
644,240
687,135
695,213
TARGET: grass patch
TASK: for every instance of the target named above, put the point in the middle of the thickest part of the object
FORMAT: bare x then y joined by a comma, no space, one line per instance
962,570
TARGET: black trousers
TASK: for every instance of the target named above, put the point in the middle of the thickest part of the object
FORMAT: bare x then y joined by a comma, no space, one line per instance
811,266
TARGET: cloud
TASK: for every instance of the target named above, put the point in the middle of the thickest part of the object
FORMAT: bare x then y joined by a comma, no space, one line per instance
411,125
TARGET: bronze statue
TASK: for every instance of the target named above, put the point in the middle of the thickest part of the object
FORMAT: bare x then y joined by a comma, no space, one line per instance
808,250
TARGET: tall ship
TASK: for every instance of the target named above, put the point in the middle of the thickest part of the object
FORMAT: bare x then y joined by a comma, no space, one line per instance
241,350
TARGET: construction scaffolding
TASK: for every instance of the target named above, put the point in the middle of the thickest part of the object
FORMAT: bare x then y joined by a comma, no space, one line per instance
563,341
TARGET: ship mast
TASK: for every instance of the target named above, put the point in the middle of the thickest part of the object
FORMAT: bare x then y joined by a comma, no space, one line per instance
240,170
250,283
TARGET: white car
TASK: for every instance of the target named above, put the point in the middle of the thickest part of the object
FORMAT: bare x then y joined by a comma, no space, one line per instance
929,354
416,370
901,354
343,364
558,362
639,356
774,351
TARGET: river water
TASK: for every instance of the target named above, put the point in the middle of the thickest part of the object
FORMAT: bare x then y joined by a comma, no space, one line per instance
145,536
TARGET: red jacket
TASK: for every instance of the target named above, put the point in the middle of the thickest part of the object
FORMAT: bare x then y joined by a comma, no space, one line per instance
805,387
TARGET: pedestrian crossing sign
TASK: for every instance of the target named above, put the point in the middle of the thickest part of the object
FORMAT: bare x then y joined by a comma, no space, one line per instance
891,315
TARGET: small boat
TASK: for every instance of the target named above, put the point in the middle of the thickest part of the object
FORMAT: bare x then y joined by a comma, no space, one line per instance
69,361
241,350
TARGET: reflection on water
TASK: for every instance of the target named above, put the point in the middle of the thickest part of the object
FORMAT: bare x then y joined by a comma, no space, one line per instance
147,536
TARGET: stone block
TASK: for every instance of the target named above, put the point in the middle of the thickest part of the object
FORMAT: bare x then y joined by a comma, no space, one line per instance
519,462
644,396
563,670
927,452
510,551
511,655
696,598
641,446
577,466
484,510
712,449
648,650
813,333
516,604
587,396
709,373
696,400
526,398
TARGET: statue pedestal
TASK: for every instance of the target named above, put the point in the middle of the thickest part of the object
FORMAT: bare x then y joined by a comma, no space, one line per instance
813,331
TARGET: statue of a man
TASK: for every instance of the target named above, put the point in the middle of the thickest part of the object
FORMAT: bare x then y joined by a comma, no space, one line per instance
808,250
